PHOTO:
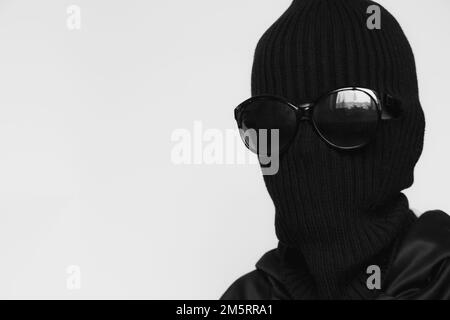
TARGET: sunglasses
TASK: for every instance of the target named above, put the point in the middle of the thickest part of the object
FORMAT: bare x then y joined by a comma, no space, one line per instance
345,119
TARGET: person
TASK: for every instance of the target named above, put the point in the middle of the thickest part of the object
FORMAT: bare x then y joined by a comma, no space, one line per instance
344,227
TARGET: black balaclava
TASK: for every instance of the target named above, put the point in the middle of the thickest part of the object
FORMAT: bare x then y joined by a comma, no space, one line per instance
339,211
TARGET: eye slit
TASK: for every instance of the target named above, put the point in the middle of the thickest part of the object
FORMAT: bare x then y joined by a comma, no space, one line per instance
391,109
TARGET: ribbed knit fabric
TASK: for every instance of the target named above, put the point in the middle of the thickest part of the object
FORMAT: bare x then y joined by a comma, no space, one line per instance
341,210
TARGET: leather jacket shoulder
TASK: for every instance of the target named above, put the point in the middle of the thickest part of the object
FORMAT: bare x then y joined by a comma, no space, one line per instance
252,286
420,268
260,284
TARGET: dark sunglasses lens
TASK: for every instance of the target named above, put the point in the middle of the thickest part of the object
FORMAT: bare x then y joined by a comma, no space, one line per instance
347,119
258,120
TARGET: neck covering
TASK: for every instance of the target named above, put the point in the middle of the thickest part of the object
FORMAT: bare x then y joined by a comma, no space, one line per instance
339,211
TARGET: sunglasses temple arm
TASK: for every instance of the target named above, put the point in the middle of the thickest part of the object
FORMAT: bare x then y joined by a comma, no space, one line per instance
389,107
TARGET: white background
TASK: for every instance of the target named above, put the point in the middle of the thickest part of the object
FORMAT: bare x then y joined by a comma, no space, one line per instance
86,118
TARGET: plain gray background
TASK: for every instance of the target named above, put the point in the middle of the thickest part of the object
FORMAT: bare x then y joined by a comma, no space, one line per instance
86,118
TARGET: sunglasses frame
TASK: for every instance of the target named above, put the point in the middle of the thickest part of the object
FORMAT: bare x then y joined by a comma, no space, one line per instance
304,112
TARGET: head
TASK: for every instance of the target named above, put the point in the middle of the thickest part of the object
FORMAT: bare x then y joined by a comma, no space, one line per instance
328,199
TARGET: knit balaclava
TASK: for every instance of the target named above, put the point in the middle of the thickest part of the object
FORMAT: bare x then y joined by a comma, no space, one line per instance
340,210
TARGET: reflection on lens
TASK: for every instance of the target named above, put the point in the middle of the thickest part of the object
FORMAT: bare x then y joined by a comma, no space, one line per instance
347,119
260,116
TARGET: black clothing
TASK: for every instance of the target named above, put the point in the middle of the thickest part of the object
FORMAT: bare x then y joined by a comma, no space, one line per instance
337,210
419,269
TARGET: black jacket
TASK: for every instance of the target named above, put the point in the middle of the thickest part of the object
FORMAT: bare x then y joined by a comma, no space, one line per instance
420,268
